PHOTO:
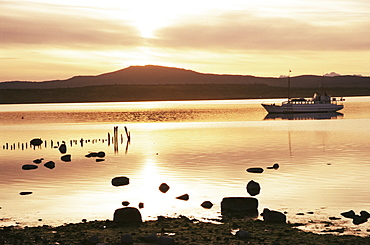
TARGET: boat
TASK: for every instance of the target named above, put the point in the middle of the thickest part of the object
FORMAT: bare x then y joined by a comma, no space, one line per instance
318,103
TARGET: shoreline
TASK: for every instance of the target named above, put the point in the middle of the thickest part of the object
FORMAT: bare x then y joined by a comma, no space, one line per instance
181,230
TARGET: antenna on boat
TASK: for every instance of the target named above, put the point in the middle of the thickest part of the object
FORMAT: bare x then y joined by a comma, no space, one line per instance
289,85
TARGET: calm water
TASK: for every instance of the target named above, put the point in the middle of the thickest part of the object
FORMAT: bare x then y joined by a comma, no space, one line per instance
201,148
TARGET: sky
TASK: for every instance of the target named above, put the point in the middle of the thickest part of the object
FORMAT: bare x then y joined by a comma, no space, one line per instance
51,39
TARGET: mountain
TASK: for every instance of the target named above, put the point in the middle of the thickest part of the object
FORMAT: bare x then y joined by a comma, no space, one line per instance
159,75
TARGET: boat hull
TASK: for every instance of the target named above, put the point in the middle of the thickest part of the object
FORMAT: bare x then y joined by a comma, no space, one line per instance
301,108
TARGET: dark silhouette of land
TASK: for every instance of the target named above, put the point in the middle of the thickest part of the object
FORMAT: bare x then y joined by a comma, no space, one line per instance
149,83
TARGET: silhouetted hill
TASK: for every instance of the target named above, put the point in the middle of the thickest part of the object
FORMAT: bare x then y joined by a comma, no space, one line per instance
159,75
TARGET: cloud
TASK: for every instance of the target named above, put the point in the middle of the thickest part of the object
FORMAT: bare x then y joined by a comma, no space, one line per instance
332,74
235,30
64,29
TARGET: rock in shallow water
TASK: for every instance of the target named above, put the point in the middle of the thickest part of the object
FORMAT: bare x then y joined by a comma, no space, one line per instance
128,215
253,188
119,181
207,204
255,170
29,167
246,206
272,216
164,187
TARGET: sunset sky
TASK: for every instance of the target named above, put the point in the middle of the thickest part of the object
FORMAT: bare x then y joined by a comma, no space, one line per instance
52,39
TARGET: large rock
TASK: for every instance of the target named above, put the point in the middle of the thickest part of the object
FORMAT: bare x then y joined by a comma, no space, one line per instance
128,215
119,181
273,216
253,188
244,206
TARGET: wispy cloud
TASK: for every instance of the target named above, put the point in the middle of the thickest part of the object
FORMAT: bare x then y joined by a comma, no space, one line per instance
247,32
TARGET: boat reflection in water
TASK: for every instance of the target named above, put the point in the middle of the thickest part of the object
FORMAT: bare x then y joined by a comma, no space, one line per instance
304,116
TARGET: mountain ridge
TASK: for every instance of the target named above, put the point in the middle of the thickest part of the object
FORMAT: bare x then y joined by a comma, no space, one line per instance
161,75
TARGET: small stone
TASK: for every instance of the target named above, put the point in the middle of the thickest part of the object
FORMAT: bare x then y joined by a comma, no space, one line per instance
207,204
94,239
253,188
99,160
152,238
275,166
29,167
164,187
163,240
119,181
50,165
36,142
141,205
125,203
243,234
334,218
349,214
127,239
23,193
37,161
100,154
63,148
255,170
66,158
184,197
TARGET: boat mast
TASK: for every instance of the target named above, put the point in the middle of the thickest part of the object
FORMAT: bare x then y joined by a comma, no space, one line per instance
289,85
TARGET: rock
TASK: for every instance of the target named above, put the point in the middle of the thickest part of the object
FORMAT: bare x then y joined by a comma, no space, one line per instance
163,240
66,158
63,148
119,181
125,203
23,193
273,216
275,166
207,204
50,164
359,220
36,142
127,239
100,154
243,234
184,197
365,214
253,188
37,161
152,238
141,205
99,160
94,239
164,187
245,206
349,214
127,215
255,170
29,167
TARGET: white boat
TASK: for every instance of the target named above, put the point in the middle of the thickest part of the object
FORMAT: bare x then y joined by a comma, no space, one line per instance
318,103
